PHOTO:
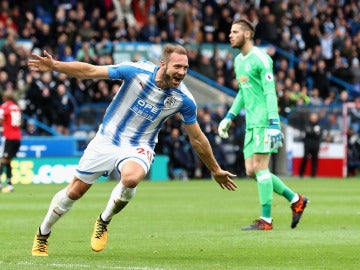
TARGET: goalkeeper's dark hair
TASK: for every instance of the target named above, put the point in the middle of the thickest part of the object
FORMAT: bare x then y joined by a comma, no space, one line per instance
169,49
246,26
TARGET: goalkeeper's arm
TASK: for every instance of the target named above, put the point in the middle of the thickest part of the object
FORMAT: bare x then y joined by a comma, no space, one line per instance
274,130
225,124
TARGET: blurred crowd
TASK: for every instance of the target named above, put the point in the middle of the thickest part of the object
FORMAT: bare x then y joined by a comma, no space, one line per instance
323,36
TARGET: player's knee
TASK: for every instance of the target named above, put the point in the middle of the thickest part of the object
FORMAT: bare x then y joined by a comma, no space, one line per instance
131,178
250,170
250,173
75,193
130,182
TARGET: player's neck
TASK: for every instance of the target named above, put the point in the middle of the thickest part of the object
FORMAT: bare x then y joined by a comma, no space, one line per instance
160,82
247,48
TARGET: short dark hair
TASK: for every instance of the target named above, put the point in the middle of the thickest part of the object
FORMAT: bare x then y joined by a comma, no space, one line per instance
246,25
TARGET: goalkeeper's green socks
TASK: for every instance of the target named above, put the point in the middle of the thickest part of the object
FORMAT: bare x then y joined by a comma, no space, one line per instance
281,189
265,189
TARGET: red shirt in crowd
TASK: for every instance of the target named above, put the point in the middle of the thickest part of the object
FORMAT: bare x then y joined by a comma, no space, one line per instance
10,114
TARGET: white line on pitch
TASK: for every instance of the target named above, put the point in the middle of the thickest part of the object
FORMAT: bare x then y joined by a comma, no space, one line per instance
62,265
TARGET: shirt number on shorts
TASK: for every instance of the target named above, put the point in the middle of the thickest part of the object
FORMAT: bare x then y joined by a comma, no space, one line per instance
147,153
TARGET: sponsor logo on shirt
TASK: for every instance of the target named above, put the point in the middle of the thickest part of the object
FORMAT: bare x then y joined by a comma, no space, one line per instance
145,109
243,79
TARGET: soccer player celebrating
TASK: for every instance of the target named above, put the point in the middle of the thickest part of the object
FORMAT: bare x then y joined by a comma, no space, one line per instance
10,117
257,94
128,134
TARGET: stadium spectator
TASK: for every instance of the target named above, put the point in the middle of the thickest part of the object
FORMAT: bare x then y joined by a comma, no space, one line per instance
9,45
313,39
266,26
30,129
207,66
142,9
102,92
127,137
353,152
121,32
86,53
333,128
40,99
209,20
181,157
64,107
312,140
326,43
10,117
297,41
286,103
12,68
161,13
150,32
355,71
315,98
124,12
319,76
3,80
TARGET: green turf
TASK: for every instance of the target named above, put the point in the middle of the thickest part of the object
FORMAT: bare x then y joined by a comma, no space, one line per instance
188,225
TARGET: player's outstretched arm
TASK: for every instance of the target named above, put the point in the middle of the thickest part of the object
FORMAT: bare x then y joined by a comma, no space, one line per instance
74,69
202,147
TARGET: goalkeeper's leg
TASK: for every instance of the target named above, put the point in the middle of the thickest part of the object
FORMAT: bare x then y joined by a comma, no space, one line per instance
298,202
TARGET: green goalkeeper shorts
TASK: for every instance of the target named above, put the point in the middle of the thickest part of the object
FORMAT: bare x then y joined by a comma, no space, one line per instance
257,142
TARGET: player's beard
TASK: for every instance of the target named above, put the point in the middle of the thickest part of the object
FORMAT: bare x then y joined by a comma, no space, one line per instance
168,80
240,44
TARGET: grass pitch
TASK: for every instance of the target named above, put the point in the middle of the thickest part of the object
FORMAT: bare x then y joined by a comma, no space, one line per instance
191,225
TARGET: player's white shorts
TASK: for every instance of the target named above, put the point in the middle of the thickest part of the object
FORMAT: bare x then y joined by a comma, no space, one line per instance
101,157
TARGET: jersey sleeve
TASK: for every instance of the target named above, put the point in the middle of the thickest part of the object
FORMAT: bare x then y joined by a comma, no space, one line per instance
121,71
268,83
238,104
188,111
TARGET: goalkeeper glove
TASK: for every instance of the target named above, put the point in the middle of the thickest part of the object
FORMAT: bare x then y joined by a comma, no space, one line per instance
275,135
224,126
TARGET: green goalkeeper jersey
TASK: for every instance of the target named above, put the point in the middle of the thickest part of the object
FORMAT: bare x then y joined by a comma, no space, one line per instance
257,94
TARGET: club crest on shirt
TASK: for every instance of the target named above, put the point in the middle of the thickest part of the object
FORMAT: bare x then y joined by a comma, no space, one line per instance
269,76
243,79
169,102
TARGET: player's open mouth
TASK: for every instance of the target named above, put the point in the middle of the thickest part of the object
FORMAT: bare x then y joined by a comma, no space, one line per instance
177,80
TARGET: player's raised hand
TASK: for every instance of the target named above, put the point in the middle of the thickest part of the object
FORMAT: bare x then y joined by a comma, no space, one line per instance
41,63
224,179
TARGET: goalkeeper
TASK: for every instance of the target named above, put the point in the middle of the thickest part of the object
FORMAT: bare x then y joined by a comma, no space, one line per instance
257,94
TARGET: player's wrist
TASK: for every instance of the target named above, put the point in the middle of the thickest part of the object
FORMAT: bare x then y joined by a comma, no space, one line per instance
230,116
274,123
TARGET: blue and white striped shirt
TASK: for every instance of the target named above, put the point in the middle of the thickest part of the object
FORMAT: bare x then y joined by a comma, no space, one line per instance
140,107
